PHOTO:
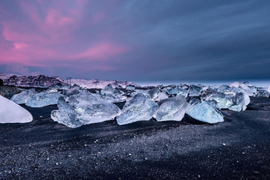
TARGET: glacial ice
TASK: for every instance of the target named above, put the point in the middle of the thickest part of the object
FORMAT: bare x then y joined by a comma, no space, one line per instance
171,109
107,90
250,90
23,97
222,101
112,95
194,90
174,90
183,92
153,93
161,95
202,111
130,87
10,112
84,108
43,99
138,108
75,89
263,93
179,90
227,97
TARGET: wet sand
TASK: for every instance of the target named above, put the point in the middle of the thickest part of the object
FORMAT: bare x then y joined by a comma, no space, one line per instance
239,148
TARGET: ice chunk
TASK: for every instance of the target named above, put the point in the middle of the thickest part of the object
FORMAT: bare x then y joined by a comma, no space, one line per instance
107,90
222,101
130,87
11,112
183,92
239,102
179,90
161,96
202,111
114,98
84,108
75,89
263,93
23,97
145,92
43,99
235,84
235,99
238,92
174,90
250,90
112,95
195,90
171,109
138,108
153,93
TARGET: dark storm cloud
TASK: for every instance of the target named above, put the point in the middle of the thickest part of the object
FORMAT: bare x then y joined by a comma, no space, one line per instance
140,40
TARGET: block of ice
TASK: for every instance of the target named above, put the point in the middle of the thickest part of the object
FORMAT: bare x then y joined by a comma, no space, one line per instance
153,93
130,87
138,108
75,89
194,90
112,95
84,108
263,93
171,109
222,101
43,99
145,92
23,97
227,97
183,92
11,112
250,90
202,111
107,90
235,84
174,90
161,96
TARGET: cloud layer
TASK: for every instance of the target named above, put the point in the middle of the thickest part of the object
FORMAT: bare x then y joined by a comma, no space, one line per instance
136,40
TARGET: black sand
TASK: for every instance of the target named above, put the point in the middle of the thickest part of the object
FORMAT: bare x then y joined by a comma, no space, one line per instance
239,148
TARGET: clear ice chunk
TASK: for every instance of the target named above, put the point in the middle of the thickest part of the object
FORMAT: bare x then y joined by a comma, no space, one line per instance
138,108
171,109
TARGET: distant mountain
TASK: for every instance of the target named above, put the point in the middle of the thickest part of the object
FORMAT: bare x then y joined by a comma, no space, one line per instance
99,84
45,81
30,81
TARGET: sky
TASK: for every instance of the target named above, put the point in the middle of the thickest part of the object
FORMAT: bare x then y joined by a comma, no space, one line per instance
137,40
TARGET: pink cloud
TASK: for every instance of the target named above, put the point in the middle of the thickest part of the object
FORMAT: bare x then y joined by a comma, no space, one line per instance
55,19
50,38
102,51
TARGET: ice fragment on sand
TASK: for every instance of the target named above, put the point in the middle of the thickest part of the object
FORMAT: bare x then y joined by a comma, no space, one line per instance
138,108
84,108
171,109
202,111
11,112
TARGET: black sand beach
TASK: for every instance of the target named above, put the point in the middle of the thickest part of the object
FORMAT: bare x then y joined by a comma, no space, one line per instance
239,148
